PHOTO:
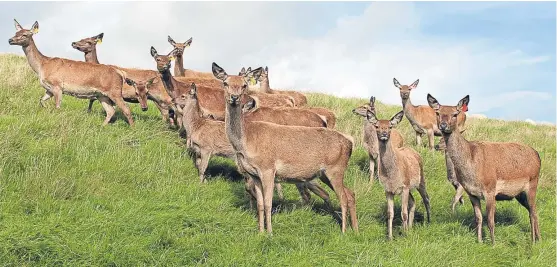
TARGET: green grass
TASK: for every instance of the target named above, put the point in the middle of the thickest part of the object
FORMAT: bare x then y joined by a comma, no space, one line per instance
74,193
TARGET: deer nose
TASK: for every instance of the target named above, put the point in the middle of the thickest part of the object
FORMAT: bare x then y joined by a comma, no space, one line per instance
73,43
443,126
11,40
234,98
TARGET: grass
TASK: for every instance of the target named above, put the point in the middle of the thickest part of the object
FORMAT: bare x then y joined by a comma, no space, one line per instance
74,193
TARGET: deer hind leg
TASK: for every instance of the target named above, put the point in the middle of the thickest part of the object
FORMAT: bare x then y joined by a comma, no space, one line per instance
404,209
490,210
319,191
303,193
335,178
451,177
125,109
258,189
431,139
352,208
528,200
457,197
373,164
390,214
425,199
411,210
249,186
108,108
47,95
418,139
280,194
90,107
478,214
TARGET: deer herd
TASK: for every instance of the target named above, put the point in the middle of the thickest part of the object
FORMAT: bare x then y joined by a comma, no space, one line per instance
274,137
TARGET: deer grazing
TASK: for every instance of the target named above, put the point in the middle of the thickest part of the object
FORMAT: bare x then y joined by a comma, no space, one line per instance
371,143
79,79
490,170
267,151
208,138
156,91
423,121
401,170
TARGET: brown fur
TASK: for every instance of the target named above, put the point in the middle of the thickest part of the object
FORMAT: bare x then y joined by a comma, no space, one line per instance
299,98
282,116
179,70
490,170
154,92
80,79
267,151
400,171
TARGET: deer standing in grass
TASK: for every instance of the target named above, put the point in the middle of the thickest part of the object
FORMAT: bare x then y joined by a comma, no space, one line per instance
267,151
490,170
401,170
79,79
423,121
208,138
154,88
371,143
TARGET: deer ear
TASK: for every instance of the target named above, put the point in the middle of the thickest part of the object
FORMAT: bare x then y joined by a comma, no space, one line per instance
396,83
99,38
17,25
172,54
266,69
370,116
433,102
463,104
188,42
372,101
35,28
171,41
248,70
256,73
397,118
219,72
414,84
129,81
154,52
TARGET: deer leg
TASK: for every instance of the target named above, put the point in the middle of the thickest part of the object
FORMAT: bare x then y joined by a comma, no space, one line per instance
411,210
458,196
390,214
404,209
260,205
280,194
431,139
352,208
425,199
418,139
478,214
303,193
318,190
531,201
47,95
451,177
203,163
250,189
372,165
119,101
108,108
335,179
268,182
90,107
490,210
164,111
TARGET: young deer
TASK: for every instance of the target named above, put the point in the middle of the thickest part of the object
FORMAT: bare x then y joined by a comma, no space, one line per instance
156,91
401,170
79,79
208,138
371,143
267,151
490,170
423,120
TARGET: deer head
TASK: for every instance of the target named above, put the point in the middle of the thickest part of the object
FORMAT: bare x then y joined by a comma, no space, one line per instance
365,108
235,86
163,62
405,89
384,127
141,90
87,45
179,46
185,97
447,115
23,36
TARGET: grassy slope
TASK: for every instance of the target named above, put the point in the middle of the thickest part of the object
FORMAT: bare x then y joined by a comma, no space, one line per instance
74,193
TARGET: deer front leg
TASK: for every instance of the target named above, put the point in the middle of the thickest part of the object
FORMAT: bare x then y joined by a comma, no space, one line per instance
431,139
57,96
411,210
478,214
108,108
47,95
404,209
390,214
490,210
418,139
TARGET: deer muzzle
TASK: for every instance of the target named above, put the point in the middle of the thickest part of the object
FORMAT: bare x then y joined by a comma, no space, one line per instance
11,41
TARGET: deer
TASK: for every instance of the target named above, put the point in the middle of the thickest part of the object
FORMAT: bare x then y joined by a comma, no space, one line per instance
156,91
179,70
267,151
401,171
208,138
280,115
493,171
423,121
141,89
371,143
83,80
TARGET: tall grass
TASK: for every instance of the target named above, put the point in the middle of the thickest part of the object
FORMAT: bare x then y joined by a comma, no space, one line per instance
74,193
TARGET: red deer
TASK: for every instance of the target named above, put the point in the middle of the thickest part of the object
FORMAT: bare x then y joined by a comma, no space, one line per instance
401,170
267,151
490,170
179,70
79,79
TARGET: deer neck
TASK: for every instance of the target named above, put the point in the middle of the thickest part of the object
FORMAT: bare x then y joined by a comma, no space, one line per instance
91,57
179,66
388,160
457,148
409,110
235,128
264,86
169,83
192,115
34,56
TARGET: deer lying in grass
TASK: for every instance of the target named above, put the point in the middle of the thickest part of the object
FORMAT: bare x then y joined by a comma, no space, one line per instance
267,151
283,116
208,138
155,92
79,79
401,170
490,170
423,120
371,143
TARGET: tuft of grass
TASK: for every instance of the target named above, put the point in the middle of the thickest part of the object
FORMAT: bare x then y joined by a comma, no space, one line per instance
74,193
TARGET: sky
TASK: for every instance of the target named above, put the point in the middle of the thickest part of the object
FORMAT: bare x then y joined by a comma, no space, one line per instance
502,54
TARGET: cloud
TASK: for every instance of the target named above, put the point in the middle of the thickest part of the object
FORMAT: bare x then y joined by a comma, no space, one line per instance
356,57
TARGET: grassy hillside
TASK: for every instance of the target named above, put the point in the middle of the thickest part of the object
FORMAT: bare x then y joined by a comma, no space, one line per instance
74,193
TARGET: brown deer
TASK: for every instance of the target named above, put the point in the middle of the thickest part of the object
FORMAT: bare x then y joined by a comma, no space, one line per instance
490,170
267,151
156,91
141,90
423,120
179,70
279,115
371,143
264,86
79,79
401,170
208,138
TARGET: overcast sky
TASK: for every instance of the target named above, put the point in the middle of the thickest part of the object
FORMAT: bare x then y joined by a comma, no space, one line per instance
500,53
